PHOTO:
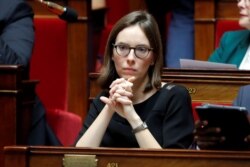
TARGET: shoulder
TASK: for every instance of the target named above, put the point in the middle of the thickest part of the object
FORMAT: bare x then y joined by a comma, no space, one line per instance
236,34
244,92
233,39
245,88
174,88
18,8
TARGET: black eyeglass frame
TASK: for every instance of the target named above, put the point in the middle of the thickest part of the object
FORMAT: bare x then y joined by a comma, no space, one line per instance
148,50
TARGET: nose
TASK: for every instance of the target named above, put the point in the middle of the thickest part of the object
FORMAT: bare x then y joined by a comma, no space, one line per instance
131,54
240,4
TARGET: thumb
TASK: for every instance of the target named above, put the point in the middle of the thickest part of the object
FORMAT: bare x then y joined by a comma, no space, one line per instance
131,79
247,139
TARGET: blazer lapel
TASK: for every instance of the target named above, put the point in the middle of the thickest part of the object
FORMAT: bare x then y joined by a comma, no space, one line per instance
242,48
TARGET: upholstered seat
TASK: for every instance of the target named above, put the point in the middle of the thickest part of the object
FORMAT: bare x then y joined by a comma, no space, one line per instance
49,66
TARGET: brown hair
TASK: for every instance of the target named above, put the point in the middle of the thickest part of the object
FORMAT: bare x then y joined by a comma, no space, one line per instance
150,28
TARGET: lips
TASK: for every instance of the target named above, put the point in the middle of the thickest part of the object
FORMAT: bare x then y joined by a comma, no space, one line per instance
242,15
129,70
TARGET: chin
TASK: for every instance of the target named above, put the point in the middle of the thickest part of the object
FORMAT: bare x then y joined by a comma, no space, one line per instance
127,76
245,23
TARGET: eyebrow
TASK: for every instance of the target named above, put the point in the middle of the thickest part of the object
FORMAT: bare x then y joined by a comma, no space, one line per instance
122,43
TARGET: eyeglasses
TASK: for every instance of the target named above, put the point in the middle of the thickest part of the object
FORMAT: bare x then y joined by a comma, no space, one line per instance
124,50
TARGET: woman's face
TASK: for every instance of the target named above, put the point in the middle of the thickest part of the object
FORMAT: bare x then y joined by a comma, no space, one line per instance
244,11
128,65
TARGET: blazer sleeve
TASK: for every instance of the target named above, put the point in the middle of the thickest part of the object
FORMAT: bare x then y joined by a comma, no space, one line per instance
16,33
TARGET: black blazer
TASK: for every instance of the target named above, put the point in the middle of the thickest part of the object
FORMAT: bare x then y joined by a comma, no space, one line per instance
16,32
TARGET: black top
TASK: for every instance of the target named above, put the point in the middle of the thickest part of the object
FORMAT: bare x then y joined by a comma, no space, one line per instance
168,114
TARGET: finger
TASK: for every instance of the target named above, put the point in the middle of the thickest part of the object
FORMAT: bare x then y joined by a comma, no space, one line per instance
105,100
208,131
115,96
210,139
247,139
201,124
211,143
123,92
207,145
127,85
117,81
124,101
114,89
131,79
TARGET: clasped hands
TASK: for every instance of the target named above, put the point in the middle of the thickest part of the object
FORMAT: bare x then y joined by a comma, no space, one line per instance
120,95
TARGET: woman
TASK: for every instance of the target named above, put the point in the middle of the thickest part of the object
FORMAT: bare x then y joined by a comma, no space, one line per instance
234,45
135,109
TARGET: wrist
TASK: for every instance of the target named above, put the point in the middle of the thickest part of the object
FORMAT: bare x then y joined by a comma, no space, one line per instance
109,109
140,128
135,121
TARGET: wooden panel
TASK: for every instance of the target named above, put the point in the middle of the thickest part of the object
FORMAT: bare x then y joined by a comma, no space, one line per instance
215,86
137,5
114,157
204,9
227,9
16,104
79,58
204,39
204,28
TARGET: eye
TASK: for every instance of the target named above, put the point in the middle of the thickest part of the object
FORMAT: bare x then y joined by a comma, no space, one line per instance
141,49
122,47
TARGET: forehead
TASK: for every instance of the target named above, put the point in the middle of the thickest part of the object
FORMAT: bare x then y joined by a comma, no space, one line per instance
132,35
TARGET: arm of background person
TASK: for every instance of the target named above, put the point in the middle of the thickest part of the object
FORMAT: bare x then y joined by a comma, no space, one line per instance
242,98
17,32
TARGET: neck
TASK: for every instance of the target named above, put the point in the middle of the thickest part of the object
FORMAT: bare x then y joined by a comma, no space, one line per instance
138,91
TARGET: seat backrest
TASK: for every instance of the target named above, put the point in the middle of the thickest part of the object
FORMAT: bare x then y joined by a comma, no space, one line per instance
49,66
223,26
49,61
116,10
65,125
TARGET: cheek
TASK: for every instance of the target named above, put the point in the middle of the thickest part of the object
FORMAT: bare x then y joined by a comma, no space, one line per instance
151,60
117,61
147,63
244,22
